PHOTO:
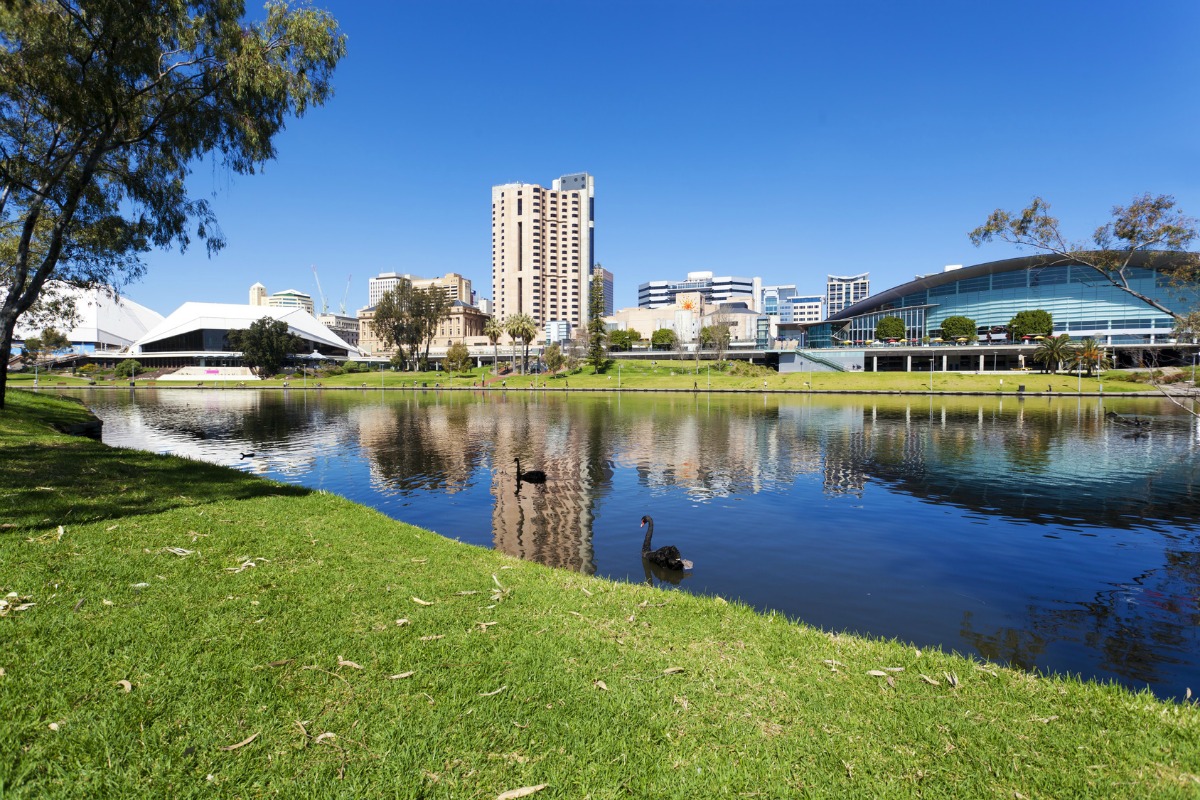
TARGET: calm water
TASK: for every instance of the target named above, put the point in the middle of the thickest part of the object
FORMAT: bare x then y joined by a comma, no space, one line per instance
1035,532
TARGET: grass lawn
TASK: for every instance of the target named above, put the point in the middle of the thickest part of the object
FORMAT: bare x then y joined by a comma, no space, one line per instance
676,375
191,631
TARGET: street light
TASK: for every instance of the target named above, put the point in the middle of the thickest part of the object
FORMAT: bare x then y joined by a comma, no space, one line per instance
618,376
931,374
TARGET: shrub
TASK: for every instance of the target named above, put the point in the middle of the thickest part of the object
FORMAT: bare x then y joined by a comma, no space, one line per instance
88,369
127,368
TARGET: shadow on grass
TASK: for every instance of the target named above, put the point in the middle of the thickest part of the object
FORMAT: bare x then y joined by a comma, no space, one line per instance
63,480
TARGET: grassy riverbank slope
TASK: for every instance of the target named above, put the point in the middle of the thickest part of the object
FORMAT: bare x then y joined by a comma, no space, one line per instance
683,375
191,631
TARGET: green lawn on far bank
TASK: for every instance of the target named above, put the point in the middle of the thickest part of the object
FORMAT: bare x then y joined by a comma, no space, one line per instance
676,375
191,631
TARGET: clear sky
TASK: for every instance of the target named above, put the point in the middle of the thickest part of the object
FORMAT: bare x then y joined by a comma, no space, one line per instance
787,140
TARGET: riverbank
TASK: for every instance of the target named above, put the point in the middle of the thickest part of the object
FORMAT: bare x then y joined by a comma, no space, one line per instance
686,376
198,631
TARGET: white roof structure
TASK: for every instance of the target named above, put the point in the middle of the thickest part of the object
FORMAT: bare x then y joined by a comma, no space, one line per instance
228,316
103,320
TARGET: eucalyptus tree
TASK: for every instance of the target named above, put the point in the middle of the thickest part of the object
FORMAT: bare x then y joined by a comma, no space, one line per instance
493,330
105,105
1148,232
396,324
522,326
431,307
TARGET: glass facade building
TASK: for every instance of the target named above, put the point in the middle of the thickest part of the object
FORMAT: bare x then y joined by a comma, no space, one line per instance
1081,301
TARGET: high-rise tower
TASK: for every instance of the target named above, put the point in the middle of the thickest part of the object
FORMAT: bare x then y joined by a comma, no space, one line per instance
543,249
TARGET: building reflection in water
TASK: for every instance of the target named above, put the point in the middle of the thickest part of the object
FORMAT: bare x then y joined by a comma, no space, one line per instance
1002,473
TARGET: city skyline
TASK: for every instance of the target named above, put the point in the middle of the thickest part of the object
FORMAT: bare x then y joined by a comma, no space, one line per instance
820,141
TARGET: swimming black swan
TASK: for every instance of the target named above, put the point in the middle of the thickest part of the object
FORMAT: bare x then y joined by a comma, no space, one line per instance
247,455
667,557
533,476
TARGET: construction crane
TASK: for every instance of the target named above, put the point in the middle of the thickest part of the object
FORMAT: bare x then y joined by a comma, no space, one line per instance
345,294
320,292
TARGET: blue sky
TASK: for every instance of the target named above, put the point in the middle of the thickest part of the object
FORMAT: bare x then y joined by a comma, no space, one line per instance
785,140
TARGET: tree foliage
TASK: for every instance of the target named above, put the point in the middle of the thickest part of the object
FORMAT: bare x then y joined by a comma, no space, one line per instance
554,358
1089,355
105,105
597,330
1054,351
458,358
406,317
521,327
127,368
493,330
621,340
1150,232
265,345
663,339
959,327
890,328
1030,323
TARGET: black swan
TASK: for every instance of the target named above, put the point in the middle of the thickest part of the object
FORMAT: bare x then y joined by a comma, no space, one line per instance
247,455
532,476
667,557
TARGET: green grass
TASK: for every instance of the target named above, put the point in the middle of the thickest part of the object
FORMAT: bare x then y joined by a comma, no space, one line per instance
520,675
686,376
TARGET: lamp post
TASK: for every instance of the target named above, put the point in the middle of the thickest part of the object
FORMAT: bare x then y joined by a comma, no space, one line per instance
931,374
618,376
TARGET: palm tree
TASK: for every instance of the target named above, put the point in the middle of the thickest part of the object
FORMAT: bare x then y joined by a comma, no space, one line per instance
1054,351
1090,355
494,330
522,326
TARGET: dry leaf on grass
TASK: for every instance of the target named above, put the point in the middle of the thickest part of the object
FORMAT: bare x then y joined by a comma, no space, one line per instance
126,685
931,681
600,685
53,726
402,622
485,625
324,736
672,670
344,663
585,591
433,638
952,679
524,791
401,676
877,673
179,551
79,605
490,694
465,593
280,662
421,602
242,743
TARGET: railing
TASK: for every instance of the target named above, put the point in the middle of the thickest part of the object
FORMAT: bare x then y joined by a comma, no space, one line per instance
833,365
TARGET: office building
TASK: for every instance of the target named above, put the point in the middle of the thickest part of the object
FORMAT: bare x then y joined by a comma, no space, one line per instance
543,250
842,291
656,294
454,285
606,287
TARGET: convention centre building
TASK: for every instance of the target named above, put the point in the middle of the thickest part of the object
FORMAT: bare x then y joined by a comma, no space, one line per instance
1081,302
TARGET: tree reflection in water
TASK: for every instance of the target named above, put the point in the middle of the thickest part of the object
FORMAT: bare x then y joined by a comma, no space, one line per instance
869,513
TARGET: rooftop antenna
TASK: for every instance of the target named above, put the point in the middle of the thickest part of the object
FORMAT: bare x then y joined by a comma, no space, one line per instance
320,293
342,307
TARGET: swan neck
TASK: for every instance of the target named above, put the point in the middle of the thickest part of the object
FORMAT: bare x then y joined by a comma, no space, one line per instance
649,533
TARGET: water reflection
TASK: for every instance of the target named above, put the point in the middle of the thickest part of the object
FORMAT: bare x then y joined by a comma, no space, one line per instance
1033,531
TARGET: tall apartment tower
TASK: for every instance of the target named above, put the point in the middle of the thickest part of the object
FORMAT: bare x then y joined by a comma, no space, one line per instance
543,245
845,290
